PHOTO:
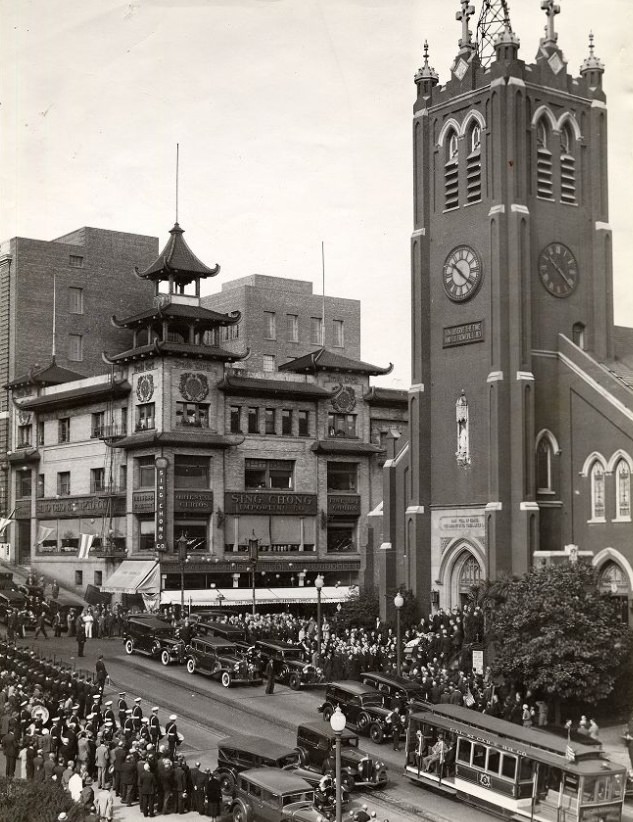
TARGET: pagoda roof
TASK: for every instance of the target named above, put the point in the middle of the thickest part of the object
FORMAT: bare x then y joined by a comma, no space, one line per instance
161,349
177,260
178,311
386,396
51,374
345,446
254,387
194,437
77,396
324,360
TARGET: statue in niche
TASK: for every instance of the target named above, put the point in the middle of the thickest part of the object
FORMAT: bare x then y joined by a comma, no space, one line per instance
463,435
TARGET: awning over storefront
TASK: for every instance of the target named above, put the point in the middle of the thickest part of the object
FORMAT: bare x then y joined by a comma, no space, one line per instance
134,577
263,596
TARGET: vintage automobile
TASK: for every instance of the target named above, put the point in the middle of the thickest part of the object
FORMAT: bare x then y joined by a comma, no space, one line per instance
63,605
11,599
398,691
233,633
316,749
222,660
362,705
291,667
243,751
152,636
267,795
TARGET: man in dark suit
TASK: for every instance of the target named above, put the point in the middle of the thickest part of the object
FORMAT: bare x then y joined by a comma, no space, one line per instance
102,673
10,750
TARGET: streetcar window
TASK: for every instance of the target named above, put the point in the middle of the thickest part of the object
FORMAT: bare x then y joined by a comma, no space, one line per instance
463,751
509,766
494,758
617,785
594,789
479,756
525,771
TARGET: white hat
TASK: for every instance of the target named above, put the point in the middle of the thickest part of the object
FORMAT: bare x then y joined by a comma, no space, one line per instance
137,699
154,709
173,717
108,703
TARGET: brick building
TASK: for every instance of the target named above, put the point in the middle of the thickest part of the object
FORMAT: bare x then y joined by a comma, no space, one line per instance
521,407
184,440
65,287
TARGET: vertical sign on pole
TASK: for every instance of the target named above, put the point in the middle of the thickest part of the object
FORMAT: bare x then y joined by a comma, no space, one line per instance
161,503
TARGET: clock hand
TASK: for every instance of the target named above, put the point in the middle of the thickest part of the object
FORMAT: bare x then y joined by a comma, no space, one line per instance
564,276
458,270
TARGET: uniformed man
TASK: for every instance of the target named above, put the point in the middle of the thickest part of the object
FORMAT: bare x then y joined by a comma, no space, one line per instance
171,732
122,708
109,713
128,725
137,713
154,727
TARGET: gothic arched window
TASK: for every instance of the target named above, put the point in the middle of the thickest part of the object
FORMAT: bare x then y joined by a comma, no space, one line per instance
544,453
544,176
451,171
473,165
567,165
597,492
623,491
469,575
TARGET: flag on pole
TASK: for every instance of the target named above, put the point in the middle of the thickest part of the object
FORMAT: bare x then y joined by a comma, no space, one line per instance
570,754
43,533
469,699
85,545
4,521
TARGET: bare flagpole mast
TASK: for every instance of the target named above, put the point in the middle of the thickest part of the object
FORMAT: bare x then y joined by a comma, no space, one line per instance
54,313
177,175
323,290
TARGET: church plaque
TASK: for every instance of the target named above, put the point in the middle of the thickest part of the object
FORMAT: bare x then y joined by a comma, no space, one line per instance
463,334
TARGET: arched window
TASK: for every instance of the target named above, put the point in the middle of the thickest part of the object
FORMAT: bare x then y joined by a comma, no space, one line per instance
544,453
544,177
473,165
597,492
567,165
451,171
623,491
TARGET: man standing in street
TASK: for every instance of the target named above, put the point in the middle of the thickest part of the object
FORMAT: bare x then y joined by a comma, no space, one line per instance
10,750
81,639
270,676
102,673
171,732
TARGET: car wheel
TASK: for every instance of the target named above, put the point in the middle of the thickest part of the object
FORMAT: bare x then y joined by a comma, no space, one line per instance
191,666
303,756
225,679
294,681
164,657
129,646
363,722
376,734
227,783
238,814
327,713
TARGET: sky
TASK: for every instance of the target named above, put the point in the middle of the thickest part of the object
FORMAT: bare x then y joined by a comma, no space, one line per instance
294,124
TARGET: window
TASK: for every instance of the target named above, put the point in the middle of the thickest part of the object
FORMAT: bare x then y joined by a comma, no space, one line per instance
25,434
292,328
509,766
473,166
98,424
146,472
342,476
229,332
268,362
63,483
479,756
316,330
79,578
623,491
235,419
544,466
339,333
145,417
269,421
76,300
40,433
340,537
341,425
75,261
578,334
494,760
451,169
191,472
98,578
597,493
262,474
253,420
75,347
463,751
304,423
195,531
97,480
286,422
567,166
146,534
63,430
544,176
40,485
23,483
270,325
194,414
122,477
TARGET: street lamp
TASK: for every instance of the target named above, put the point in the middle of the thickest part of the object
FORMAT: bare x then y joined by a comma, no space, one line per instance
253,552
319,582
338,722
182,556
398,601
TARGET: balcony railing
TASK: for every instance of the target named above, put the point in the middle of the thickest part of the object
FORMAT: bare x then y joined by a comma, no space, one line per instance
109,432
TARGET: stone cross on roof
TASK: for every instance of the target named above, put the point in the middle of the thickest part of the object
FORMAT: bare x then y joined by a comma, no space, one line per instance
551,9
464,16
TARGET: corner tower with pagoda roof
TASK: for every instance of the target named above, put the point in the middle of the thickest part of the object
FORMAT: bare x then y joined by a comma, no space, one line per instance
512,323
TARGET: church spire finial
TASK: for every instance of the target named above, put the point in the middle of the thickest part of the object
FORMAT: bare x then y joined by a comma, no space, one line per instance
464,16
592,65
591,44
427,72
551,9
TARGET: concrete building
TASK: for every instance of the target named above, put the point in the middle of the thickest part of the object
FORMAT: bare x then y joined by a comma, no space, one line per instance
521,404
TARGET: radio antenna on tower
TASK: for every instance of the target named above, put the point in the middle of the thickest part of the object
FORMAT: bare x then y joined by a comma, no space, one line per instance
493,20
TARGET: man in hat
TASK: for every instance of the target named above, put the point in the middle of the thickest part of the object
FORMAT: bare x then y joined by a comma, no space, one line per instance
122,708
128,725
137,713
154,726
101,671
171,732
109,713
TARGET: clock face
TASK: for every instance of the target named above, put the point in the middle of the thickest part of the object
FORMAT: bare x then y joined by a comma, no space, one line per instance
462,273
558,269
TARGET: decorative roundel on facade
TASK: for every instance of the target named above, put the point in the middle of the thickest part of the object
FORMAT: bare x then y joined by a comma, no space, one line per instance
345,399
145,388
24,417
462,273
193,387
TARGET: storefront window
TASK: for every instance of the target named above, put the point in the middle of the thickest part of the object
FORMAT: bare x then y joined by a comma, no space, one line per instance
341,537
146,534
342,476
195,532
191,472
268,474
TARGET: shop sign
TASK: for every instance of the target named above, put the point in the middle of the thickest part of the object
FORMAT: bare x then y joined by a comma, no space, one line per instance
201,501
347,505
256,502
143,502
161,504
78,507
5,550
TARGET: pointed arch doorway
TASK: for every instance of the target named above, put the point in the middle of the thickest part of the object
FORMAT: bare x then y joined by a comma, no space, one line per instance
463,566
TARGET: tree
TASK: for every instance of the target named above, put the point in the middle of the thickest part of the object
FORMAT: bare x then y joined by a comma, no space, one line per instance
360,611
557,635
25,801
